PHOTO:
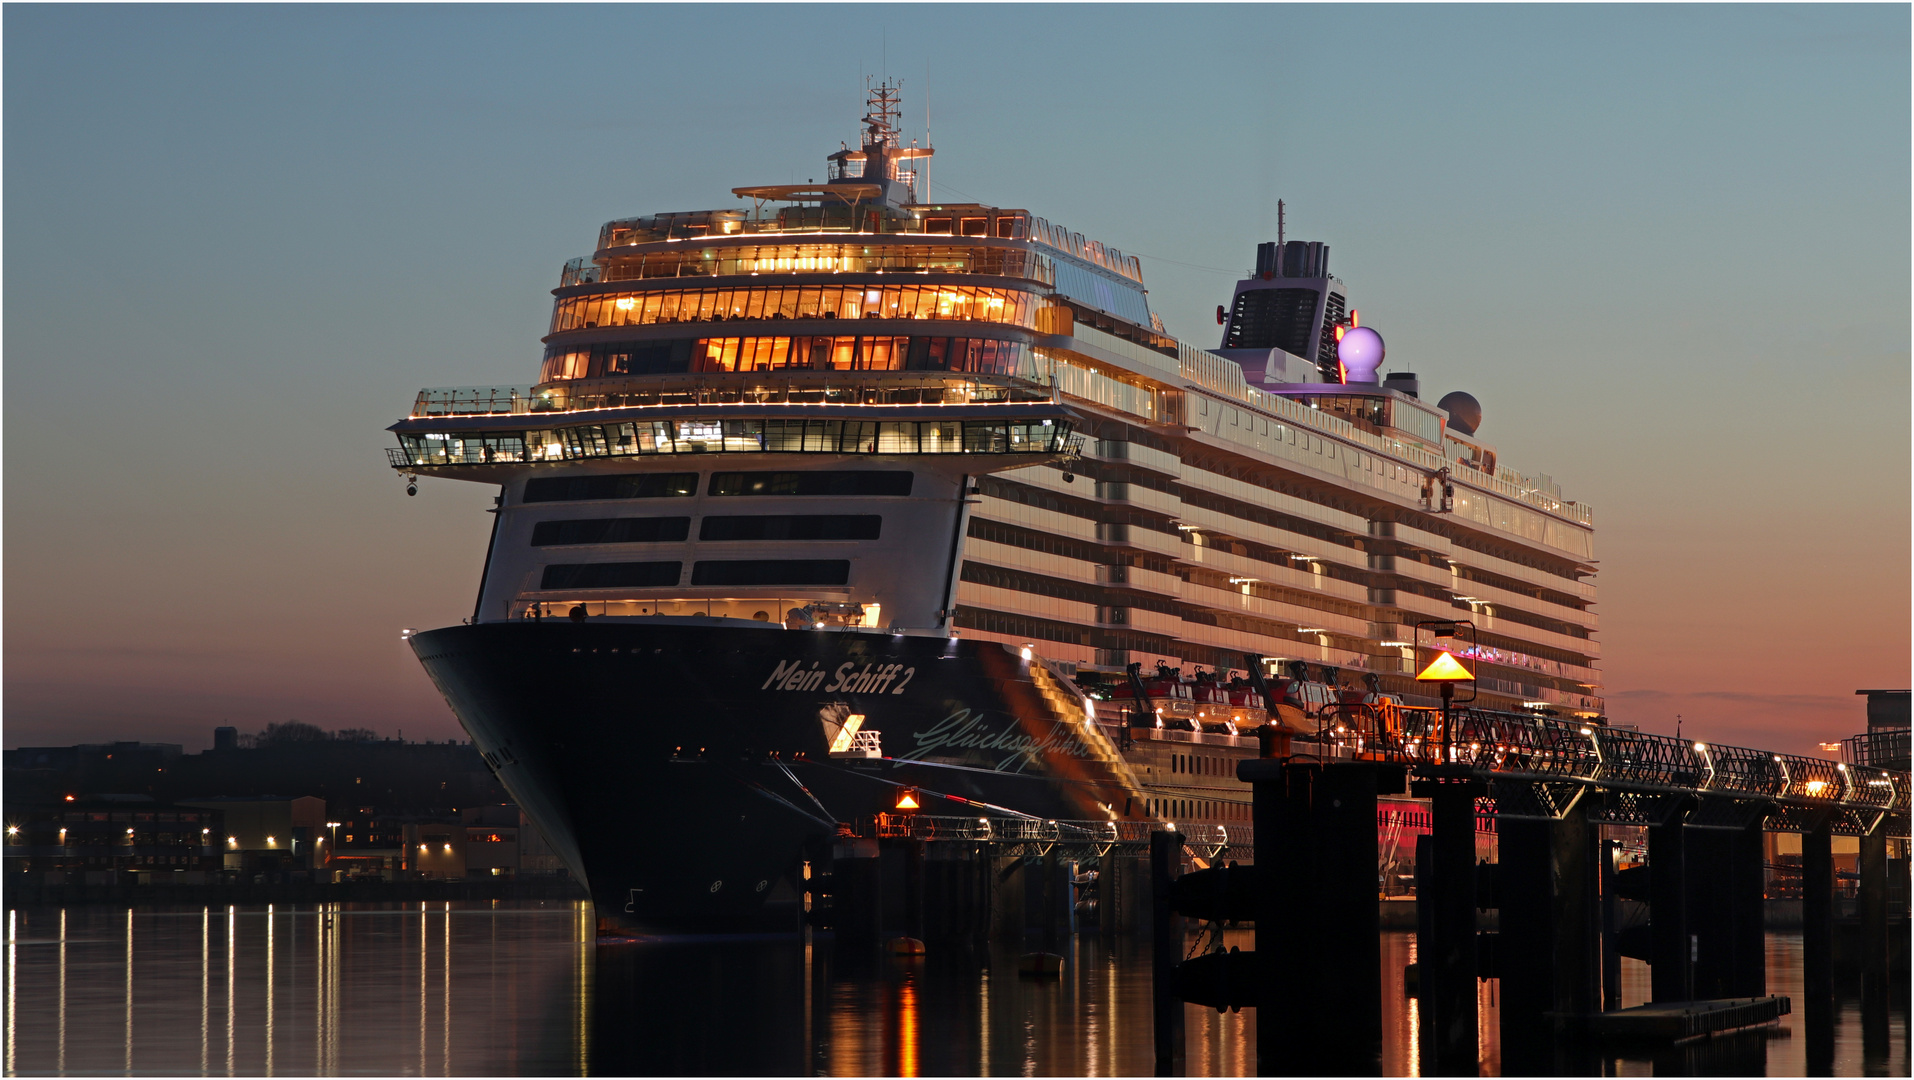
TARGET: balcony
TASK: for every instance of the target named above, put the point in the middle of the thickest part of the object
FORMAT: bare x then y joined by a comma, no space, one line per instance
813,258
783,388
716,435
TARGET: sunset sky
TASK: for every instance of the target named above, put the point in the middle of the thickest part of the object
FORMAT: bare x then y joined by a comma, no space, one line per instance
1666,247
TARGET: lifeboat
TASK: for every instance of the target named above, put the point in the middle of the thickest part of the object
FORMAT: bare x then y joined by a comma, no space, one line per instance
1197,702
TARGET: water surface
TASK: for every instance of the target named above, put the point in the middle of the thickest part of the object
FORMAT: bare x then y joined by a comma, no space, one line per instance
527,988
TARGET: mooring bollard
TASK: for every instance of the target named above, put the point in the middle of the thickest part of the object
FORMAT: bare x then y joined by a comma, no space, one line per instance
1166,856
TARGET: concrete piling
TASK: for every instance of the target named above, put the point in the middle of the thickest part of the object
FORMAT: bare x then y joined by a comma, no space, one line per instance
1611,854
1166,856
1671,948
1871,907
857,892
1447,956
1319,979
1548,921
1817,945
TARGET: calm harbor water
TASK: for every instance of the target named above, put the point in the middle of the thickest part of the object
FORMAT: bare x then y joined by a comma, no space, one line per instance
525,988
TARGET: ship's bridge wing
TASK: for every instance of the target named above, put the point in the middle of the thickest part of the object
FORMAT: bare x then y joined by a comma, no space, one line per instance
811,192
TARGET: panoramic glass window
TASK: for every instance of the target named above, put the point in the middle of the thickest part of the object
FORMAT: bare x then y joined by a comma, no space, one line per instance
645,530
628,486
859,482
1013,306
791,527
611,575
772,572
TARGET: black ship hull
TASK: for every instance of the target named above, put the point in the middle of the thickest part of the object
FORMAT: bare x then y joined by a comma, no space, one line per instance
684,771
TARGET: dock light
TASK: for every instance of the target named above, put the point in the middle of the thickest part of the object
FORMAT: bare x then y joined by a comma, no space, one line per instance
1701,748
69,798
448,849
422,849
232,841
1445,668
271,842
129,832
1026,650
1816,787
13,830
907,799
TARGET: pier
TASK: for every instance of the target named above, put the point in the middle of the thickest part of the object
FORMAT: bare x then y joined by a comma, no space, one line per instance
1310,860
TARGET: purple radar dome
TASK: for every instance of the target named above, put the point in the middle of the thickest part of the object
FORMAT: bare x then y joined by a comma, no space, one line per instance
1360,353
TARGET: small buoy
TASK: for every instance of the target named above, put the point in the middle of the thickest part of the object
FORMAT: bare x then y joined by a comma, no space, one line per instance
1040,965
906,946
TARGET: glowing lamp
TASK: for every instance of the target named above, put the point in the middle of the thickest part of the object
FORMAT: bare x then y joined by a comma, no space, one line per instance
907,799
1360,354
1445,668
847,733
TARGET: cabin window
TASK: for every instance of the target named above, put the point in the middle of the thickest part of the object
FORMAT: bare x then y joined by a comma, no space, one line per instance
791,527
623,486
642,530
772,572
937,225
975,226
811,483
617,575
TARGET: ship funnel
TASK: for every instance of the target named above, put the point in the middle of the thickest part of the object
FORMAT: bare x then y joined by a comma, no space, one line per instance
1292,259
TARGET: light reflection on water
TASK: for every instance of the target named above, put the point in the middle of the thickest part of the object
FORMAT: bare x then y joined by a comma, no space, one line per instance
503,988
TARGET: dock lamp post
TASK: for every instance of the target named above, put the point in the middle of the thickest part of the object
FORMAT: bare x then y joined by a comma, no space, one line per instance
1445,670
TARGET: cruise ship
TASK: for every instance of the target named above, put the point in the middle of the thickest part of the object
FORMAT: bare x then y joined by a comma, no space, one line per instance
845,496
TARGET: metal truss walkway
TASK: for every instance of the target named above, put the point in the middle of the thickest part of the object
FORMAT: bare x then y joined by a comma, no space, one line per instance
1535,768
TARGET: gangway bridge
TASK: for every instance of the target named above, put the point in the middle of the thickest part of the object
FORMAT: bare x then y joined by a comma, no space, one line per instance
1533,768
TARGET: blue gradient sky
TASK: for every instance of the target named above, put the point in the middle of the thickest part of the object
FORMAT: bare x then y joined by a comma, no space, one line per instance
1667,247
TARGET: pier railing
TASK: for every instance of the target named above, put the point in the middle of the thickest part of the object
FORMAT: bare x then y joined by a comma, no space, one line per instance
1037,836
1537,765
